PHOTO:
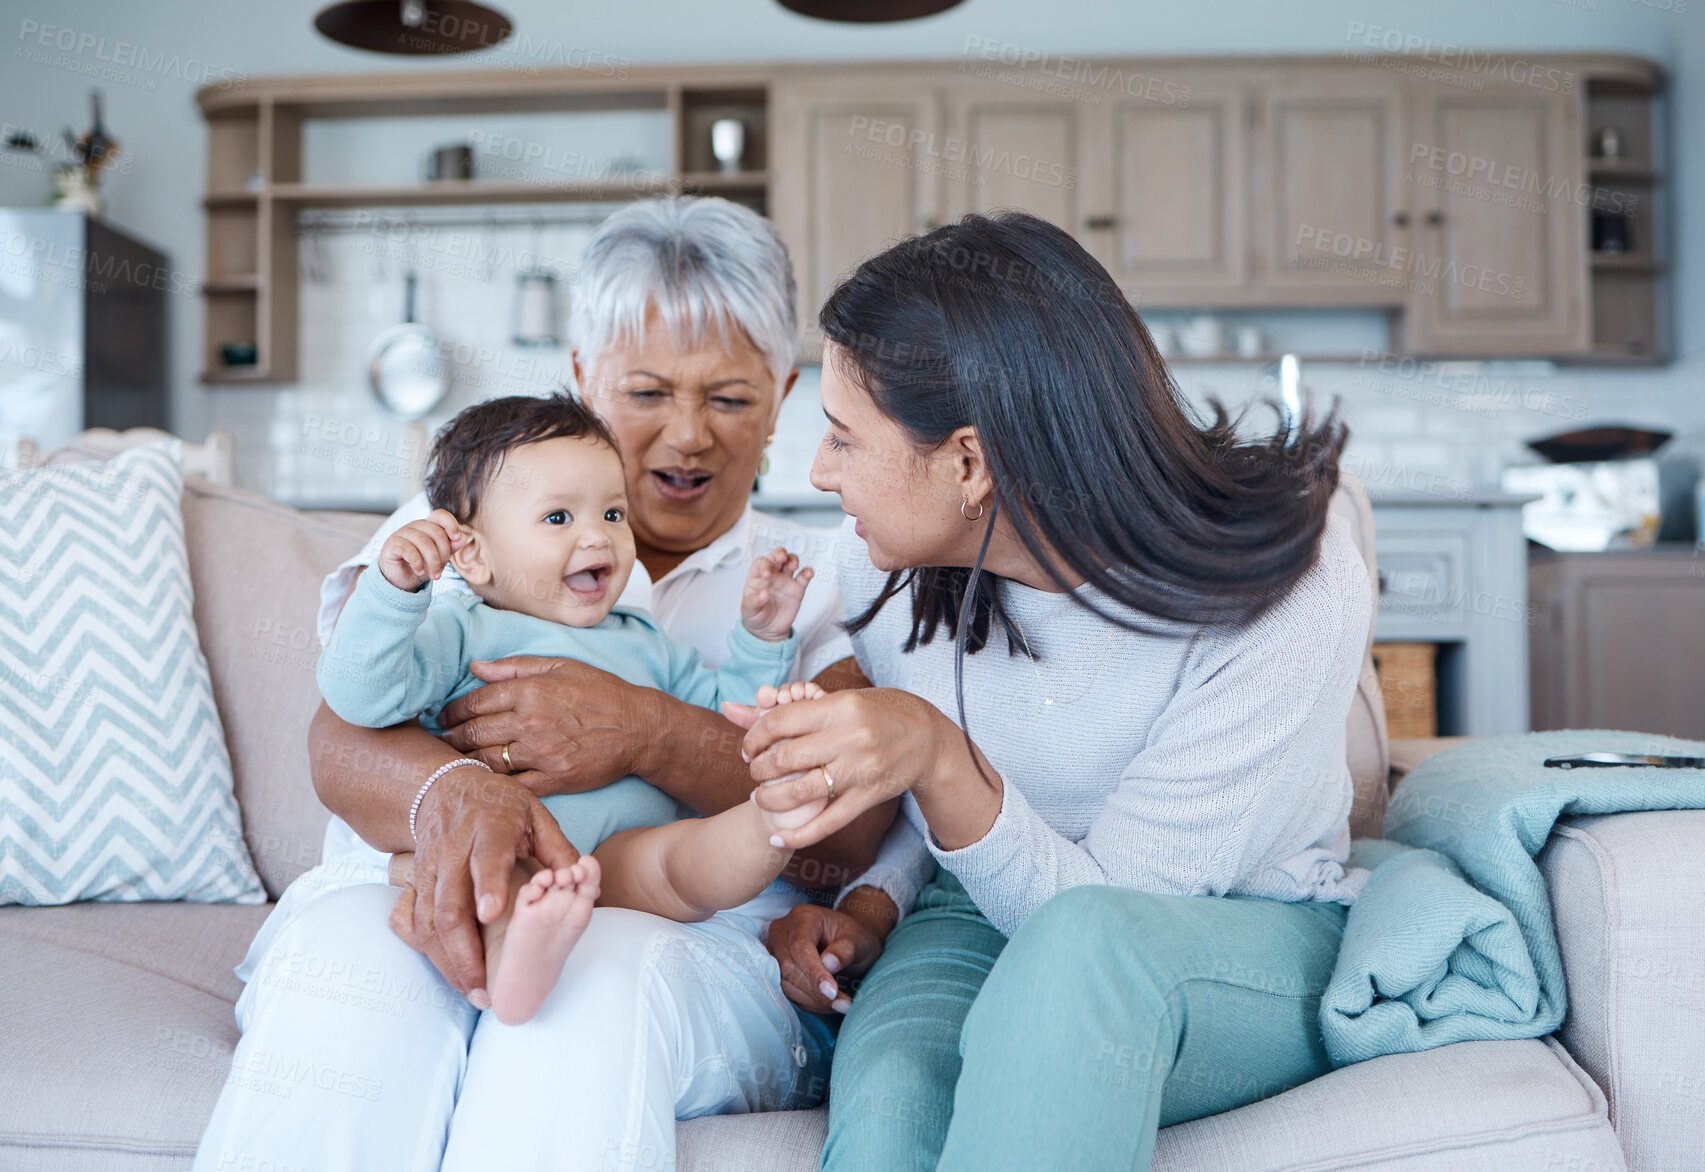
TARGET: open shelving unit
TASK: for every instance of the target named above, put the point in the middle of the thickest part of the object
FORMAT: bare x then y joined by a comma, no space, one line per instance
1626,313
255,185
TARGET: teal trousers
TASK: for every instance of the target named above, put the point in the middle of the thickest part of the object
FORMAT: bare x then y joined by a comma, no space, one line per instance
1110,1014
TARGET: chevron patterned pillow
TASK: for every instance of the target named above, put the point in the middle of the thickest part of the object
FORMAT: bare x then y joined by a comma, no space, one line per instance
114,779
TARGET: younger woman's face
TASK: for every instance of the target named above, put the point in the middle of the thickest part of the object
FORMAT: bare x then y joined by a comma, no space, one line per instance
907,503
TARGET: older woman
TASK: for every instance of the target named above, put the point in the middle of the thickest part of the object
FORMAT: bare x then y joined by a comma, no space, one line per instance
1114,650
684,332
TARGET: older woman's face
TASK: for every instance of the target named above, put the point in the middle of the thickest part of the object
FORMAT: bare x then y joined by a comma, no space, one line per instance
692,425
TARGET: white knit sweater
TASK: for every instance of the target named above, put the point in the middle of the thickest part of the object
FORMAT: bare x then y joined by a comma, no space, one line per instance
1200,761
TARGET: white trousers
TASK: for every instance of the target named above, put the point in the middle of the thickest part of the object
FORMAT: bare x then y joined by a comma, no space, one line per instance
356,1055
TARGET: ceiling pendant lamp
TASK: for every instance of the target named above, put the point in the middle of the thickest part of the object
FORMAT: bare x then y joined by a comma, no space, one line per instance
868,11
414,28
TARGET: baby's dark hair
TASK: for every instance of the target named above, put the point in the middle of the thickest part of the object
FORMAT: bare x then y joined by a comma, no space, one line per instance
468,452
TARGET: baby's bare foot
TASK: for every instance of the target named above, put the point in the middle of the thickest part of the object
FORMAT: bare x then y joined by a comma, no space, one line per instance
551,912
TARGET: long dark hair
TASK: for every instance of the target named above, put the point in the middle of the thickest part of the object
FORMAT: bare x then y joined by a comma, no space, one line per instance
1004,323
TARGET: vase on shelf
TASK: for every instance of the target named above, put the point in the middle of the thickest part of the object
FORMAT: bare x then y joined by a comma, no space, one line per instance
75,189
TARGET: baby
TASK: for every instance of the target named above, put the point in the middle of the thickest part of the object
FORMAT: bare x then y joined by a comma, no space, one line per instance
530,506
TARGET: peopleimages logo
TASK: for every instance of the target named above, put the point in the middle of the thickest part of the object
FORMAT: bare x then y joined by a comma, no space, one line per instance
961,152
1396,48
1375,257
1075,71
122,55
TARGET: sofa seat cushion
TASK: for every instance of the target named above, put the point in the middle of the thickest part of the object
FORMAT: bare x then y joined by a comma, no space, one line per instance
118,1029
1474,1105
1469,1107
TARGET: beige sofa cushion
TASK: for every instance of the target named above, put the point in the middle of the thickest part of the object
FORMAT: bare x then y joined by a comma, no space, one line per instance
1626,896
118,1031
257,567
1365,733
1471,1107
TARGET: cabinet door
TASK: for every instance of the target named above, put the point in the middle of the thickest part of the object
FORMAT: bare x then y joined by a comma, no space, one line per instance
1173,229
1013,150
1328,201
858,166
1500,246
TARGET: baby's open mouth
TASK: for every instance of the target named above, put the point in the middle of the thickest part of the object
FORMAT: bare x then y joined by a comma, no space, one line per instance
589,582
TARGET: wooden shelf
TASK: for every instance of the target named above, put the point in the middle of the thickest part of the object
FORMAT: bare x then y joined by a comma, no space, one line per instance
1627,170
717,181
466,192
238,374
232,283
1605,354
1623,262
230,199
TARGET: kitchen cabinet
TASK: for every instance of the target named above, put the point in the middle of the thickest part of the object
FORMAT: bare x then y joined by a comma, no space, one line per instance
1619,640
1329,204
1454,573
861,164
1459,200
1009,150
1499,256
1168,179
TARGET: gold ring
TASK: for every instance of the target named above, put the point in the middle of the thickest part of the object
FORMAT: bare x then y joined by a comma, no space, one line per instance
831,782
507,763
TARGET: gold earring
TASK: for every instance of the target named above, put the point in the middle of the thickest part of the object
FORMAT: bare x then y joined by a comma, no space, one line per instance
964,502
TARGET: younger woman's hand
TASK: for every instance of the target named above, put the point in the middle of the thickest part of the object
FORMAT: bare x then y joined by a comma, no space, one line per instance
769,698
876,743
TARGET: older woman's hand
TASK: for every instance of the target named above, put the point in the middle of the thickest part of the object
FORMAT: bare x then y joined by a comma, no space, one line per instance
812,945
470,829
876,743
569,727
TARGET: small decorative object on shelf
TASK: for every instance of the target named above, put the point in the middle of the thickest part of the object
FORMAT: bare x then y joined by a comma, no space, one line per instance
239,353
1612,232
1607,144
455,161
76,171
728,143
536,309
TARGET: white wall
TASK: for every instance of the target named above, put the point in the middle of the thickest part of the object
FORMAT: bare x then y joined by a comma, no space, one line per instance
150,57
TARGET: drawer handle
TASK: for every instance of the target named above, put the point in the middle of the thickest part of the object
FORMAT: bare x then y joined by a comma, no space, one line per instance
1099,223
1383,580
1401,219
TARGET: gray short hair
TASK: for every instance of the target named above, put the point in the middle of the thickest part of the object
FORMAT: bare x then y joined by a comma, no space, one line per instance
704,262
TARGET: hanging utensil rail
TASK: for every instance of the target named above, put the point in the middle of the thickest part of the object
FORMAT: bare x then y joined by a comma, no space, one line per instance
311,220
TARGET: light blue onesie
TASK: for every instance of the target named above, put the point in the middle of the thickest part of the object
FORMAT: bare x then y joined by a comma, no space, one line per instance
395,655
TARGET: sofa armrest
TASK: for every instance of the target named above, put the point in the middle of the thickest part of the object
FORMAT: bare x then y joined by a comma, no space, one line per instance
1628,897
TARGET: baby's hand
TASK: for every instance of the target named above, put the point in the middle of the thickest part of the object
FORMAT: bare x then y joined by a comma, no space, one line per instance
417,553
774,588
768,700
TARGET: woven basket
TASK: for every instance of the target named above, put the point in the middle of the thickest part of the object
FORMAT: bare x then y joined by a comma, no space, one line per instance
1410,687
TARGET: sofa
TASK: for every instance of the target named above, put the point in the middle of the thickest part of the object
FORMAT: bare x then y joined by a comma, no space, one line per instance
118,1024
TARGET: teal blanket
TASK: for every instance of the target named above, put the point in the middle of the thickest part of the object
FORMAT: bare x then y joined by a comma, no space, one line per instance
1452,940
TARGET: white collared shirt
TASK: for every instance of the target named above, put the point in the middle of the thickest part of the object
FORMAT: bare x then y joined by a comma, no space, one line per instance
697,602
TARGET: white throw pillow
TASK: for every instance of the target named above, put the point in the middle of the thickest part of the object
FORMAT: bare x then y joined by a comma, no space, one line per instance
114,779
